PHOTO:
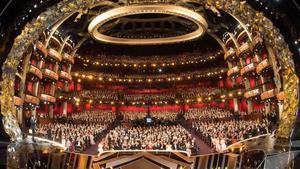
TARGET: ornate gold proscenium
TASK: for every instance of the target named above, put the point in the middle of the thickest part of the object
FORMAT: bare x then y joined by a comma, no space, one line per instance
96,26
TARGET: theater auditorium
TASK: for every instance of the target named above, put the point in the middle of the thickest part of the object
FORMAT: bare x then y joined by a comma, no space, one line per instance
153,84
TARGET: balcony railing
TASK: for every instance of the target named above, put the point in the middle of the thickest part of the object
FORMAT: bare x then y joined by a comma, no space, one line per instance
32,99
54,54
243,49
66,76
267,94
50,74
230,53
56,41
228,42
68,45
251,93
262,66
47,98
241,35
233,71
249,68
257,42
41,48
18,101
36,71
68,58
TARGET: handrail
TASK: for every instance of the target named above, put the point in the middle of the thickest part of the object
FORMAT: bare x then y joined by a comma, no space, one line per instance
160,151
251,138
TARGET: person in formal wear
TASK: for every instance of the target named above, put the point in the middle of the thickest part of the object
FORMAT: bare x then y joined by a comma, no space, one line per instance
33,122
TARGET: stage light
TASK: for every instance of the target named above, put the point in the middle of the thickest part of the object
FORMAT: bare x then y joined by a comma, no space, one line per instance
199,99
159,70
79,80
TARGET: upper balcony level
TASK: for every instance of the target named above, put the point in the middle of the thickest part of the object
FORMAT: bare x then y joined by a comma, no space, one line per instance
241,36
262,66
267,94
36,72
257,42
40,50
252,93
248,69
47,98
243,50
54,55
32,99
229,54
233,71
65,76
18,101
68,58
50,74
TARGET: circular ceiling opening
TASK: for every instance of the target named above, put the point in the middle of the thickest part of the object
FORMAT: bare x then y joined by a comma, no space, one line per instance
147,25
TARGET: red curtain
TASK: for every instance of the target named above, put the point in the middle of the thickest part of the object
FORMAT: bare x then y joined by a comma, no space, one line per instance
78,87
243,106
231,104
29,86
252,82
71,86
69,108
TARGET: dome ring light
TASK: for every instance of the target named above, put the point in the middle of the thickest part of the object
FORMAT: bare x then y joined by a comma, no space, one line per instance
174,10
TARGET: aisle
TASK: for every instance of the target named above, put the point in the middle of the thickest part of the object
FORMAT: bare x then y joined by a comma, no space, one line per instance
204,148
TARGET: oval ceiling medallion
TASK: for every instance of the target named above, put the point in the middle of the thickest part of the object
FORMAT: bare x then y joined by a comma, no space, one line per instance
147,25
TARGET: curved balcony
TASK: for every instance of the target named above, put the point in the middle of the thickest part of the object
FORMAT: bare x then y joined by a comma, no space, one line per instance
56,41
47,98
68,58
251,93
241,35
69,46
233,71
54,55
41,49
280,96
263,65
50,74
244,49
248,69
267,94
65,76
35,71
18,101
257,42
229,54
228,42
32,99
